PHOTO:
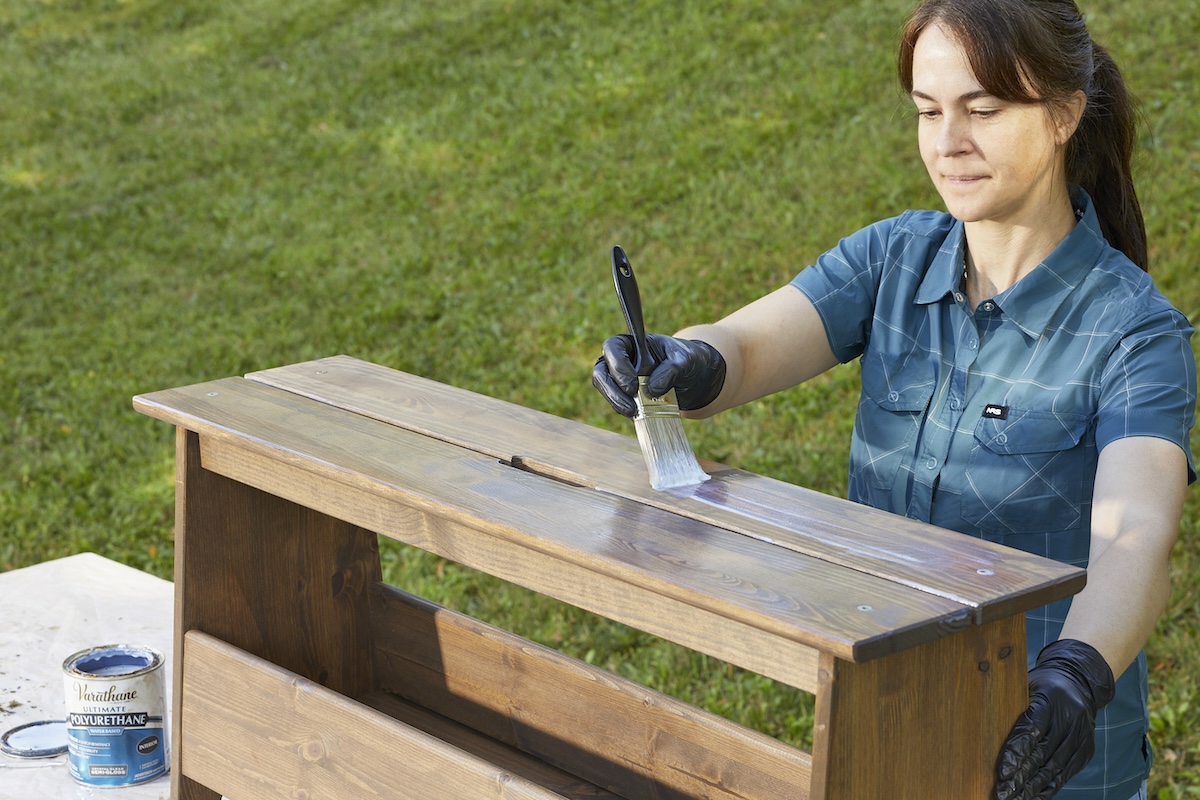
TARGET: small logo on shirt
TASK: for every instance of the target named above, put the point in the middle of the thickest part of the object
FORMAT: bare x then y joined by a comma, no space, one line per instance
995,412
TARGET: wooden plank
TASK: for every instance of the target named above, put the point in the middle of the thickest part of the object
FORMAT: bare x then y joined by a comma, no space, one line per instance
995,580
187,467
928,722
476,744
255,730
495,427
638,742
322,457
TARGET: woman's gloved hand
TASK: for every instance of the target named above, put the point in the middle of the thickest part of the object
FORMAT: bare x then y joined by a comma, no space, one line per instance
1055,737
694,369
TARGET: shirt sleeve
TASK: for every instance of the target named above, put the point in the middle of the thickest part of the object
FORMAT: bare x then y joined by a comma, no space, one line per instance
843,285
1148,387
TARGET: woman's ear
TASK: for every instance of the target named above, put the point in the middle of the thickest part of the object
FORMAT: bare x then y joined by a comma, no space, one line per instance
1068,117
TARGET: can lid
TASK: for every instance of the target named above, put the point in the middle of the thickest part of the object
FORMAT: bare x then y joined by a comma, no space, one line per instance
113,660
41,739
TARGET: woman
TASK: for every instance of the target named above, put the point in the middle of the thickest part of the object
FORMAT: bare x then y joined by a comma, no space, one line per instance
1023,380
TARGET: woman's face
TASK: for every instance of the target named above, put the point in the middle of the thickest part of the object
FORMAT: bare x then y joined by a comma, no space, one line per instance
990,160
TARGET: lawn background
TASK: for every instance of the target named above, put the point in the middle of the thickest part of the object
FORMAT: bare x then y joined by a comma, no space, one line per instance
196,189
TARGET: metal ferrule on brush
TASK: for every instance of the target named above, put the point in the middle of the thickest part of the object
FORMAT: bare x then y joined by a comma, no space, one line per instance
650,406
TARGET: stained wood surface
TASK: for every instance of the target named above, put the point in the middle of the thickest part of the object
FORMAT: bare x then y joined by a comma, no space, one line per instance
507,758
251,564
255,730
319,456
912,638
992,580
274,578
614,732
698,628
924,723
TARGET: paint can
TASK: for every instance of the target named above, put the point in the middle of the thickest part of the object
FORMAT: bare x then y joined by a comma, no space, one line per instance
116,725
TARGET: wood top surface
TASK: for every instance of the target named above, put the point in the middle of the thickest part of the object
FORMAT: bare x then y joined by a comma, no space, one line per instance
832,574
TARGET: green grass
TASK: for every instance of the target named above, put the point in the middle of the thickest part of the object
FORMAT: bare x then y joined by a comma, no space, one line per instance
190,190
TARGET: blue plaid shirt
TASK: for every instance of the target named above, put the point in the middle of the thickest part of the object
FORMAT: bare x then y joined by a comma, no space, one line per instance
991,422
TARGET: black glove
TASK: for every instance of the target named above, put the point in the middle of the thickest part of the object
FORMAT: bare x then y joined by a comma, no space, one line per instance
694,369
1055,738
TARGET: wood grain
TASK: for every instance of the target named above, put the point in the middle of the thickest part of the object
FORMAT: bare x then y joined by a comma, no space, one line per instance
508,759
614,732
314,455
258,731
282,581
927,722
993,580
729,639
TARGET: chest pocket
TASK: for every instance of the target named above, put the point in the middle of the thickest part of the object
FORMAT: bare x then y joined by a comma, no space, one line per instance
896,391
1026,472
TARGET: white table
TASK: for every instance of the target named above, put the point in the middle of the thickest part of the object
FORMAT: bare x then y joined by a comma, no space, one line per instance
48,612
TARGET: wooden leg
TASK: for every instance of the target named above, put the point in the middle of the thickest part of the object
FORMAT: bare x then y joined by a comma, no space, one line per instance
925,722
184,788
276,579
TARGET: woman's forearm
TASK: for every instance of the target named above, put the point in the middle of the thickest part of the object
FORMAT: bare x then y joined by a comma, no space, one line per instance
1137,505
769,345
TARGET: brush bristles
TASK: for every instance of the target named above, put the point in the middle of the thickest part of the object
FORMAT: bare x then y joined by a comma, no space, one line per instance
669,457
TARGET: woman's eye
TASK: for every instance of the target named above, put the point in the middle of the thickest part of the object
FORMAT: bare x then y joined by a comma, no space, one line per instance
928,114
985,113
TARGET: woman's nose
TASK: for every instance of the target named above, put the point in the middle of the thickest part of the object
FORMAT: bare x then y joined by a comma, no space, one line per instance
953,137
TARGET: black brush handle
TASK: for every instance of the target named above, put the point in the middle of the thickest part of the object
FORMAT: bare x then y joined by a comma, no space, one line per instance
631,306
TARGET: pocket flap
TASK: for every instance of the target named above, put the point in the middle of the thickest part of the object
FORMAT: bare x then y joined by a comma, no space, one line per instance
897,383
1026,431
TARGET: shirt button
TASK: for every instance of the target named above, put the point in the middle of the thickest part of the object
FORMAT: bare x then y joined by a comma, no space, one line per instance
893,396
1002,439
931,463
989,306
973,344
955,405
959,297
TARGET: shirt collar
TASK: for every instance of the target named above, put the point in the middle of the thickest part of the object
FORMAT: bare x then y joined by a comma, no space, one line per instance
1032,301
945,271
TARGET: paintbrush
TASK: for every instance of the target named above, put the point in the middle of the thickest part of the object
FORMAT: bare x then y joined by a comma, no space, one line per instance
669,457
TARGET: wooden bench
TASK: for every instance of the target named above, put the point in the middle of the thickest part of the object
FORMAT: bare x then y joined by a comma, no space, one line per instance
300,674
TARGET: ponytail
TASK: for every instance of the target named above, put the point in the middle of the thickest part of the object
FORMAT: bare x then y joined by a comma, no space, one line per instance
1040,51
1100,155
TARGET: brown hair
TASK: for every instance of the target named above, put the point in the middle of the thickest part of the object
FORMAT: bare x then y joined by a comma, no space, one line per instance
1040,51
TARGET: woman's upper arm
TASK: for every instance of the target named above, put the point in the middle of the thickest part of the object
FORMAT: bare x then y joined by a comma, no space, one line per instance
1140,486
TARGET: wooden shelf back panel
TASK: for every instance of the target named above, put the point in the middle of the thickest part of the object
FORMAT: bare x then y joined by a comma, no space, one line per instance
609,730
992,580
507,758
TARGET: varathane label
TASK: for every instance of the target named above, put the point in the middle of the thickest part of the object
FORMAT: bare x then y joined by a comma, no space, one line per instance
116,734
